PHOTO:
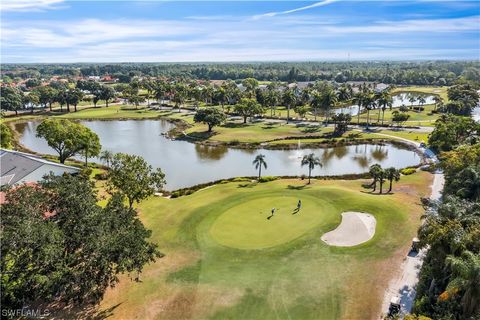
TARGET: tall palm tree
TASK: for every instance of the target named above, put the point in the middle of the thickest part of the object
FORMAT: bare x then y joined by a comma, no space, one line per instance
290,99
359,100
107,157
381,179
259,162
466,279
385,100
375,171
422,101
369,104
392,174
438,100
311,161
329,100
412,100
316,103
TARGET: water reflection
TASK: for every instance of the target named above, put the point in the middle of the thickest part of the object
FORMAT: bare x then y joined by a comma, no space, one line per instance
379,153
207,153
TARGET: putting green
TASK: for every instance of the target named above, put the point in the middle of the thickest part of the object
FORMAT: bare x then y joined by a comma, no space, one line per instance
245,226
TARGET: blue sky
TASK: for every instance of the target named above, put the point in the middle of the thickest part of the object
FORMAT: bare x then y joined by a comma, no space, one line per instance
169,31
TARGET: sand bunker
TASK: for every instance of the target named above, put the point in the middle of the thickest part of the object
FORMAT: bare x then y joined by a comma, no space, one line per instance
355,228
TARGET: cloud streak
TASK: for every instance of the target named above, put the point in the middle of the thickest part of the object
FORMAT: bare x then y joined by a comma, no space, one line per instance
273,14
29,5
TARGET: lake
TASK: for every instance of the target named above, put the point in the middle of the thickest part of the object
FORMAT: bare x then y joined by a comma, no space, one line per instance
186,164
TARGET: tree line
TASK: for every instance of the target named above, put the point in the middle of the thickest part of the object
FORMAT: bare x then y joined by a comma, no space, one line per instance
390,72
450,277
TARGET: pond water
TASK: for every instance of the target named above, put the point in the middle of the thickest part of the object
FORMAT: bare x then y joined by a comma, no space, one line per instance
476,113
186,164
398,100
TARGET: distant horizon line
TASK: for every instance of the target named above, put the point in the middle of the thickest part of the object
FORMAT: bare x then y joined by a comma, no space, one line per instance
252,61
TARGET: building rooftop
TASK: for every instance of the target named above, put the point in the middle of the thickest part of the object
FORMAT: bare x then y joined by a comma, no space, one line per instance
15,165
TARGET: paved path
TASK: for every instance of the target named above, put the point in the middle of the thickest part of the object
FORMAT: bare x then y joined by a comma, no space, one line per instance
404,285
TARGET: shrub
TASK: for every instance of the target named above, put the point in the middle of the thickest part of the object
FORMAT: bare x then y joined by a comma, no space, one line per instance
240,179
100,176
408,171
234,142
267,179
86,172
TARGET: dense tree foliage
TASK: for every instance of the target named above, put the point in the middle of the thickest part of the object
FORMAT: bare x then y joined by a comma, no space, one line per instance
451,131
133,178
11,99
248,107
6,136
210,116
68,138
59,246
450,277
406,73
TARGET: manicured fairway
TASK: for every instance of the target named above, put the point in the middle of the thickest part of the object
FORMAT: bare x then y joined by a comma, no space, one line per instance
225,260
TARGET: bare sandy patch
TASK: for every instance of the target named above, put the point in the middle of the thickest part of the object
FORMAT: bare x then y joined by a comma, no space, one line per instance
355,228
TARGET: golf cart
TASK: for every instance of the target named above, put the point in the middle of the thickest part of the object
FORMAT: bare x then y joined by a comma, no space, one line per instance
394,307
415,245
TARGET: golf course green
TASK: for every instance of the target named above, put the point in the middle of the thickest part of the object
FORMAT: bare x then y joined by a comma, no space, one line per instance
225,260
250,225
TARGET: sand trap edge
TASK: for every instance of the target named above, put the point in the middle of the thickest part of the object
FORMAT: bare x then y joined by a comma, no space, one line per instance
354,229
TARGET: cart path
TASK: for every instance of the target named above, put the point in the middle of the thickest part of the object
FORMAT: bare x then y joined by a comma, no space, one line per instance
404,284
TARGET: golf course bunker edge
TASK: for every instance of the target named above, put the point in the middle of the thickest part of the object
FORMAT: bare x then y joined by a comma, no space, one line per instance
355,228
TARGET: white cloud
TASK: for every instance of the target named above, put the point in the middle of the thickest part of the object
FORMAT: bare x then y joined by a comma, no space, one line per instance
229,39
272,14
29,5
419,25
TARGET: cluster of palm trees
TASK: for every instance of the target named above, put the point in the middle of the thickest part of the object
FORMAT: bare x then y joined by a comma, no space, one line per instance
316,98
380,175
309,160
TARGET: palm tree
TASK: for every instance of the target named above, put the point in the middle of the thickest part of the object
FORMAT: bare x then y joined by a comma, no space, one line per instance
369,103
344,93
385,100
311,161
329,99
422,101
259,162
392,174
106,156
412,100
465,278
359,100
316,103
381,179
290,99
375,171
438,100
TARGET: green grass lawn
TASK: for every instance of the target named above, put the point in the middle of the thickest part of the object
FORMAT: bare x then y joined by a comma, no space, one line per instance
225,260
112,112
256,132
